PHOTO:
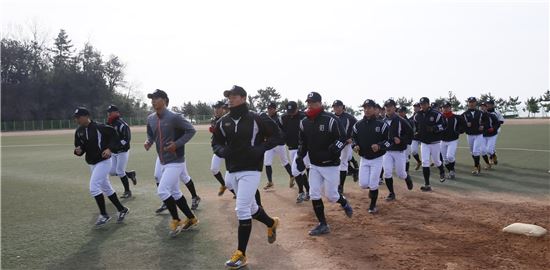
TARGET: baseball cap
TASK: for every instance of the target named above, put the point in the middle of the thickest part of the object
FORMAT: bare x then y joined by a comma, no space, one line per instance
291,106
313,97
157,94
112,108
416,104
434,105
369,103
389,102
235,91
337,103
492,102
446,104
472,99
402,109
272,105
218,104
484,103
81,111
424,100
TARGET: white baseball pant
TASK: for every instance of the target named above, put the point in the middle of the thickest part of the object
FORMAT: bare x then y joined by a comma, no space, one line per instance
169,184
216,164
99,179
476,144
245,185
448,151
369,173
430,150
397,160
294,167
490,145
324,178
184,176
345,157
278,150
119,161
414,147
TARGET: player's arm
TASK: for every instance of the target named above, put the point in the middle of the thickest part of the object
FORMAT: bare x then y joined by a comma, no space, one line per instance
109,133
270,131
79,146
302,141
384,142
125,135
150,137
219,141
338,135
187,128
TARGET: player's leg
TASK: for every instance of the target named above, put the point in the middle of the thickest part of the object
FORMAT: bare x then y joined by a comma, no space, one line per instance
414,151
475,150
444,146
181,202
169,182
400,163
315,182
298,176
330,183
97,193
101,173
268,162
344,160
157,175
494,159
450,156
375,169
388,162
215,166
425,150
281,152
435,151
485,152
186,179
122,162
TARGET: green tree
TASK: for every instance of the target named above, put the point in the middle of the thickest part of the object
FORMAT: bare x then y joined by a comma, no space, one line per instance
204,110
189,110
62,50
252,101
114,72
513,105
455,103
404,102
545,102
266,96
485,98
532,106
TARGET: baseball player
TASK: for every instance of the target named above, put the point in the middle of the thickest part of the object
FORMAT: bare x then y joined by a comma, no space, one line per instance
399,134
380,115
491,109
322,138
242,138
170,132
474,131
120,158
220,109
370,142
278,150
98,142
402,112
291,127
430,125
415,144
449,138
347,121
490,131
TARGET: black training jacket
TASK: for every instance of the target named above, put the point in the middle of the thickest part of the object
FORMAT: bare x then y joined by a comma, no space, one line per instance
369,131
430,124
291,128
241,137
347,121
491,125
416,135
454,126
94,139
323,138
475,118
400,128
275,123
124,134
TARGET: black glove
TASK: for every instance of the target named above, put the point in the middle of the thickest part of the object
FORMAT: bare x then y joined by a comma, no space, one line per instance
221,151
336,147
300,165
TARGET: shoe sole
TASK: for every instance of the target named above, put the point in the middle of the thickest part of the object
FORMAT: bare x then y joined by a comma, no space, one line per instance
191,227
317,234
237,267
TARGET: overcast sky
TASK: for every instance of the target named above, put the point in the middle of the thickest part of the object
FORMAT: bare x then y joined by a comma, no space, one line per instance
350,50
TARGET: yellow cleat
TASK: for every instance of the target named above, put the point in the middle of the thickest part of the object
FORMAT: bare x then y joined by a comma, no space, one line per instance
175,227
221,190
189,223
237,261
272,231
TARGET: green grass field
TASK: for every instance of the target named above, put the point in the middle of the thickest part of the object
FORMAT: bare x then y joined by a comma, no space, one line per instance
47,212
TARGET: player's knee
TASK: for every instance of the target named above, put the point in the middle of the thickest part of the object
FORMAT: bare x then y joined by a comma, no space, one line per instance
402,175
333,196
425,163
450,159
214,171
314,195
244,212
163,193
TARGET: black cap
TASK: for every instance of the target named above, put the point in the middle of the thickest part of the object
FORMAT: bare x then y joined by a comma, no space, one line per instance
291,106
369,103
313,97
416,104
484,103
447,104
235,91
157,94
112,108
472,99
424,100
272,105
218,104
389,102
337,103
492,102
434,105
402,109
81,111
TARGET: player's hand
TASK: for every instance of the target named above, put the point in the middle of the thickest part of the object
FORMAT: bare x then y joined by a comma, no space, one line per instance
356,149
375,147
78,151
300,165
396,140
106,153
469,124
147,145
170,147
349,141
491,130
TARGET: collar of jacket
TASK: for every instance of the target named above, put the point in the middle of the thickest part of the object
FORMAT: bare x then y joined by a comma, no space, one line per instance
238,111
161,113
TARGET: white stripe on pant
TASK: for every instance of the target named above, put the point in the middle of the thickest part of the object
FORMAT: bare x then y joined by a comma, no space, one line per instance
430,150
448,151
397,160
119,161
169,184
245,185
99,179
324,178
369,173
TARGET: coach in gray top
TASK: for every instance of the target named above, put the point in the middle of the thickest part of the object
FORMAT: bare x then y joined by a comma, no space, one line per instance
170,132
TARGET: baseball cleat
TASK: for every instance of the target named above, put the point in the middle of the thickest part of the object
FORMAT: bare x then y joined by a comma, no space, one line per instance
355,176
222,190
122,214
272,231
373,211
195,202
348,210
291,182
452,175
442,178
126,195
237,260
175,227
488,167
161,209
132,176
102,220
426,188
418,164
300,198
390,197
190,223
495,160
409,182
477,170
268,185
319,230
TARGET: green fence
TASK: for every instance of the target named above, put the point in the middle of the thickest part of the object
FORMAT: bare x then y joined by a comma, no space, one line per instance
70,123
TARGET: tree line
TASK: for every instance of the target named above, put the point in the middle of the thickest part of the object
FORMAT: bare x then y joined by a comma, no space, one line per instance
42,81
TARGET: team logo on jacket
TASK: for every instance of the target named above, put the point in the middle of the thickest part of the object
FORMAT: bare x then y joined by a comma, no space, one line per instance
227,124
377,129
322,128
